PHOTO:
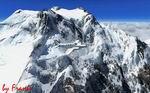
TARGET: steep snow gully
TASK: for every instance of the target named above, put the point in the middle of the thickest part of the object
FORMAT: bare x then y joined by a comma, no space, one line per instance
69,51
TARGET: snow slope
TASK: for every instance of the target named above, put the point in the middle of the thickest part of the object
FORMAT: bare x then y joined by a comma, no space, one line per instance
15,47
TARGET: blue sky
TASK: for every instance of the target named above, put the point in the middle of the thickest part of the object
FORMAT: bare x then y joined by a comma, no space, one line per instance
102,9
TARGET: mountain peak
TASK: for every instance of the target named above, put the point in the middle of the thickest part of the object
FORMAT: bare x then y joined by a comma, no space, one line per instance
56,8
76,13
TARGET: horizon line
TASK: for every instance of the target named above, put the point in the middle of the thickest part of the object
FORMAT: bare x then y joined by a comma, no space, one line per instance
123,20
108,20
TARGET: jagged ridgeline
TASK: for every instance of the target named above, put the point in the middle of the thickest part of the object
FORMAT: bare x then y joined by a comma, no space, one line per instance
69,51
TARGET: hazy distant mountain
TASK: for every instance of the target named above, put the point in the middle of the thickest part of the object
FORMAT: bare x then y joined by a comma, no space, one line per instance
138,29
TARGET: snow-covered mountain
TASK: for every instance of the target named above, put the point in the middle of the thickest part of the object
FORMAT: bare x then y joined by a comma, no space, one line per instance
68,51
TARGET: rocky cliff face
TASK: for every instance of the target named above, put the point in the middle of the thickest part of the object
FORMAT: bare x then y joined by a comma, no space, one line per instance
68,51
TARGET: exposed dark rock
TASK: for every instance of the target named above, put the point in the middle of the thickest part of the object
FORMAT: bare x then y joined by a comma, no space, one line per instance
141,46
64,62
144,76
125,87
96,83
59,86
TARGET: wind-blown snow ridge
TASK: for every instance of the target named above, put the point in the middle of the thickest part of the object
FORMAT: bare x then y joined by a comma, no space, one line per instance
68,51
